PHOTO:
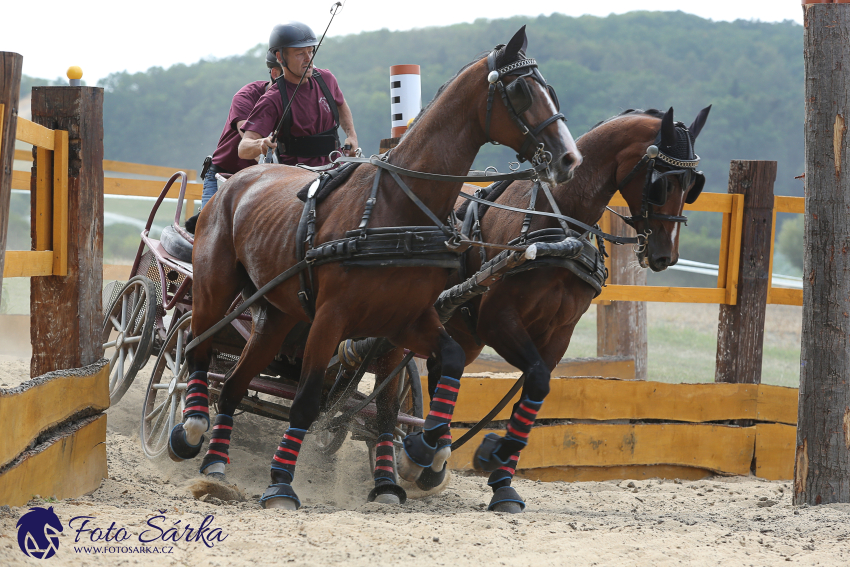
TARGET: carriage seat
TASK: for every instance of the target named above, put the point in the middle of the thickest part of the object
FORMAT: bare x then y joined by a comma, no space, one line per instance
175,244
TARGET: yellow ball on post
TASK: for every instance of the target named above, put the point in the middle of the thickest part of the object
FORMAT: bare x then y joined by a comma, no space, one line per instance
74,75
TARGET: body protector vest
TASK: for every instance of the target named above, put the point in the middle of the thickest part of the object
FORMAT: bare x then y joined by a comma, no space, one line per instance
317,145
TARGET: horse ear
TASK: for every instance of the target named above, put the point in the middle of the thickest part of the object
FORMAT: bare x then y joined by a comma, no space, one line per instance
519,42
699,122
668,129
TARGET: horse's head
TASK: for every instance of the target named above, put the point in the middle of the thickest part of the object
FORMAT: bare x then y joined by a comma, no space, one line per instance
656,177
521,111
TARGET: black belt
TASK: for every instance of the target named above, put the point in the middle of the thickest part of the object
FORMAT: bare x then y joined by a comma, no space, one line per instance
216,169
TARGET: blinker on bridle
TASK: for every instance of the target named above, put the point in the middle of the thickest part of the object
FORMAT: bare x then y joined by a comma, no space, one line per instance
656,188
518,100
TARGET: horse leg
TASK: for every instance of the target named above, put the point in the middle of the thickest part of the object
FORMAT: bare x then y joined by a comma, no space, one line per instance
210,303
435,476
325,335
500,455
387,490
432,446
268,333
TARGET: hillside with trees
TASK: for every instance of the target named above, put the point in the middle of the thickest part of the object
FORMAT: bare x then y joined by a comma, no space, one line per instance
751,72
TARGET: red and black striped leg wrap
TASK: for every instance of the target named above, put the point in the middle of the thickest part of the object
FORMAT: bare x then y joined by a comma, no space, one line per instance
283,462
521,421
197,397
219,447
503,475
384,460
439,417
385,471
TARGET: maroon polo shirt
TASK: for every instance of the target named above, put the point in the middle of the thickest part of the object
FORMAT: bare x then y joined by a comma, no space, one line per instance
311,113
226,155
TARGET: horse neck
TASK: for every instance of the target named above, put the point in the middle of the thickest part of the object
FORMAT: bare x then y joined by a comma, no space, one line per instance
445,140
595,183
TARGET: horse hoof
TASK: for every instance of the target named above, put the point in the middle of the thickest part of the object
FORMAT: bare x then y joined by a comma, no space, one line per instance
440,457
280,496
280,504
429,479
486,458
506,499
417,455
179,449
388,493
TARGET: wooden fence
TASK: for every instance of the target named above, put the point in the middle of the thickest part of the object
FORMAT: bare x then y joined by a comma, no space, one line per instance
608,429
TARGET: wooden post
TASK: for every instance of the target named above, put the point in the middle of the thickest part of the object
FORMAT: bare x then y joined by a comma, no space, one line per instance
66,314
621,325
822,467
740,334
10,87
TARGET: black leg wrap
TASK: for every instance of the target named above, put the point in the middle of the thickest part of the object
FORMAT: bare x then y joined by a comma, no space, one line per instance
219,447
280,491
429,479
486,458
506,496
178,449
197,397
418,450
386,486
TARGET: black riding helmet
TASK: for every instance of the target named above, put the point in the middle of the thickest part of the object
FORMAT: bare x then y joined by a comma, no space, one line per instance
291,34
271,61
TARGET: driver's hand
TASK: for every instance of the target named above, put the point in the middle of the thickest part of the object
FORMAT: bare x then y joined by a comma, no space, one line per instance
266,144
349,146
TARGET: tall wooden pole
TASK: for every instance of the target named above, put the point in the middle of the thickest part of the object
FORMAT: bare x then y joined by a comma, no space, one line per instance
10,88
740,334
621,325
822,468
65,311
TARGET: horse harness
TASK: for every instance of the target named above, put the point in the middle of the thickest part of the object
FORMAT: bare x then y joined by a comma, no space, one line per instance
656,187
518,100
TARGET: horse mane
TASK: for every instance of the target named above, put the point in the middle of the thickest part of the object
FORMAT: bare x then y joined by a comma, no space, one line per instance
653,112
500,62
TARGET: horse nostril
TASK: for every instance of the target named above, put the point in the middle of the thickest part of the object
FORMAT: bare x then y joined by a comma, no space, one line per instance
570,161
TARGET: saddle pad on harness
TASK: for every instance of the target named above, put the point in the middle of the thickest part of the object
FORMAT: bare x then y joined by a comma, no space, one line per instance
329,182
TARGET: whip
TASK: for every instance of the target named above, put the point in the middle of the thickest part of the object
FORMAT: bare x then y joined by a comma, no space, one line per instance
271,156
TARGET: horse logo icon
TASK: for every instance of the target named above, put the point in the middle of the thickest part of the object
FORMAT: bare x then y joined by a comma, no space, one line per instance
38,533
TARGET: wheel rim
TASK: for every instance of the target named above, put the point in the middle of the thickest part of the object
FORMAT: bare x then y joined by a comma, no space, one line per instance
126,333
165,399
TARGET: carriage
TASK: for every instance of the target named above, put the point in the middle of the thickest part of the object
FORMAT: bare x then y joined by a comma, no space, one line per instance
150,316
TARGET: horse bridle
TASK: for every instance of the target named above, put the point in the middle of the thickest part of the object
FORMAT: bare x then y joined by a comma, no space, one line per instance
656,187
518,99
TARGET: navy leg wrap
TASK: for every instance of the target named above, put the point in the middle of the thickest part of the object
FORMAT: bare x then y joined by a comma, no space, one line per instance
384,457
442,405
503,475
197,397
286,456
219,447
522,420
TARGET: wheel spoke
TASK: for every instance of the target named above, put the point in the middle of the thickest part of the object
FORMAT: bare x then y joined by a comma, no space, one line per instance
115,323
124,300
121,362
132,340
170,363
160,420
157,409
110,344
159,387
136,309
114,357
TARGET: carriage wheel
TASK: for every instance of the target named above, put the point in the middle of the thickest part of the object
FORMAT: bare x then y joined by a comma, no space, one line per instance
127,333
410,397
166,395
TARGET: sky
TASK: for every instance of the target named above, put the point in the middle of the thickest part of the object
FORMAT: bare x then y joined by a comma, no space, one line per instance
104,37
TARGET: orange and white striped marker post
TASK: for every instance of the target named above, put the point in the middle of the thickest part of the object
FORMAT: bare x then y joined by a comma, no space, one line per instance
405,96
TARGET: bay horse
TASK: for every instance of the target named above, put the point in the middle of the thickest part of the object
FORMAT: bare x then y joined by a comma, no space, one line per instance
528,318
249,233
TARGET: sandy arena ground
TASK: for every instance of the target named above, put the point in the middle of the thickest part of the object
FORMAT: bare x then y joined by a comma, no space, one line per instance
717,521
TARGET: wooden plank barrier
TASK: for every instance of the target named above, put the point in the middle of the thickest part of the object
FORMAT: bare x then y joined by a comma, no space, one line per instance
608,366
47,447
44,402
604,441
70,465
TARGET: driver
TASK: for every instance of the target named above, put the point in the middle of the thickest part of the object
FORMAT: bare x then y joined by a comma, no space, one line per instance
309,133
